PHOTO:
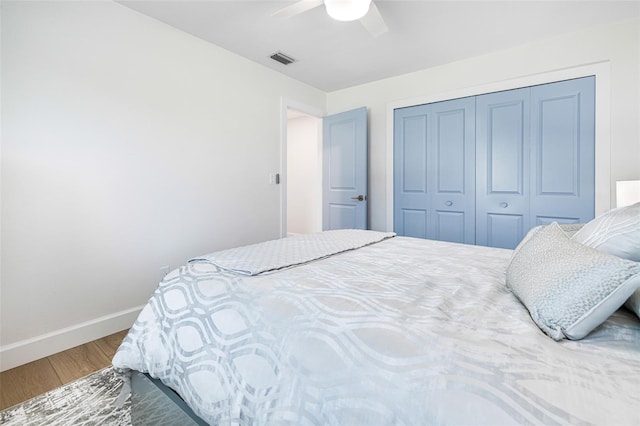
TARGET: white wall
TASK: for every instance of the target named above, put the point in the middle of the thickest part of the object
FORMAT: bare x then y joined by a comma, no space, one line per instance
304,178
127,145
618,45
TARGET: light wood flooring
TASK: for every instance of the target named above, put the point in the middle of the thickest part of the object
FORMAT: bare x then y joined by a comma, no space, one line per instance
26,381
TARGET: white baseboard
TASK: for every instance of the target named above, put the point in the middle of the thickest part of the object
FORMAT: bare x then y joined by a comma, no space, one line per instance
44,345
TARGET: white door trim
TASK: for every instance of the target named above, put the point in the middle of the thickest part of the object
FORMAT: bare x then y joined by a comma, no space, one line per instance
602,72
286,104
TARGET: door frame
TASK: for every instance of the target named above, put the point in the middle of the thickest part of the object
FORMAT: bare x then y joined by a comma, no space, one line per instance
602,73
286,104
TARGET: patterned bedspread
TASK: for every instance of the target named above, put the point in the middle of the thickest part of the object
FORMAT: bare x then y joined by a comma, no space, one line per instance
274,255
404,331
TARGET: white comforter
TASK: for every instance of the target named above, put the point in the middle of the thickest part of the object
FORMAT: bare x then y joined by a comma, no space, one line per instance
404,331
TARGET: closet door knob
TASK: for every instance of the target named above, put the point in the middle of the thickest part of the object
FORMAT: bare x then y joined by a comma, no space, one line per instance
448,203
504,205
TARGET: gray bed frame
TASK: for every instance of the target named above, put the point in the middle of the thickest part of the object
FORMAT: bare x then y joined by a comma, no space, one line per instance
153,403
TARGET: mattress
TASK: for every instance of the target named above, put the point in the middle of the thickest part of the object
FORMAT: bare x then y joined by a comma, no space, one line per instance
397,331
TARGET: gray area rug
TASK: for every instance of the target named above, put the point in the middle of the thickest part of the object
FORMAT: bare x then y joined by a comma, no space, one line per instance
87,401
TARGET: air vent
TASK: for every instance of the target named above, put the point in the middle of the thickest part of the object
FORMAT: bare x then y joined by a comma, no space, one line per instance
282,58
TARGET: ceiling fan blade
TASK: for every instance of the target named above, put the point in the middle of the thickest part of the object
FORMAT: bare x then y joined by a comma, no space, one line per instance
296,8
373,21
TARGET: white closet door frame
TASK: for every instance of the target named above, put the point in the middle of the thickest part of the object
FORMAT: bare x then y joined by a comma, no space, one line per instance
602,73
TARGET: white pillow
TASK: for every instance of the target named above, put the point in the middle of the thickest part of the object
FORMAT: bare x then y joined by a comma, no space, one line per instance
616,232
569,288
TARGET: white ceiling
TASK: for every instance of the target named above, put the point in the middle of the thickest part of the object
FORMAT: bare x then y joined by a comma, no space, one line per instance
334,55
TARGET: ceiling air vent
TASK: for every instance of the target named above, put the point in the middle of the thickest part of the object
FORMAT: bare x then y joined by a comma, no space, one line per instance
282,58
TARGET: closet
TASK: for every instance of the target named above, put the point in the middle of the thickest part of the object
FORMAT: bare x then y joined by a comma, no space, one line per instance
485,169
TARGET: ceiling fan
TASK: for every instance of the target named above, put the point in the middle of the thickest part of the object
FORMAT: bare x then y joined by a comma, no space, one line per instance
341,10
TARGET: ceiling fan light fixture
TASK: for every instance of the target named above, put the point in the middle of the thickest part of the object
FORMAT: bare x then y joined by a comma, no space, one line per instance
347,10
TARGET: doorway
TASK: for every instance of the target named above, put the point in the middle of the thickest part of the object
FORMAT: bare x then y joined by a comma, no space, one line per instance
303,173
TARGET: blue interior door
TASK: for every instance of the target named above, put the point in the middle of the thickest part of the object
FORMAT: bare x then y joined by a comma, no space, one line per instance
502,167
563,152
434,150
451,171
536,159
411,203
344,164
486,169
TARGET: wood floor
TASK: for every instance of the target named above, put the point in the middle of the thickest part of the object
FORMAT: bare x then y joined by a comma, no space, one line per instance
26,381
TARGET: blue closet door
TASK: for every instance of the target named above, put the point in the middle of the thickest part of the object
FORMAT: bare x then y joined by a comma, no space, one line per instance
484,170
502,167
412,197
451,171
434,150
563,152
536,159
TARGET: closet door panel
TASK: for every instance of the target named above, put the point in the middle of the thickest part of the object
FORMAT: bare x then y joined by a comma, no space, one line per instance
434,176
558,145
563,151
450,149
410,157
503,229
414,155
453,171
450,226
502,167
414,223
505,148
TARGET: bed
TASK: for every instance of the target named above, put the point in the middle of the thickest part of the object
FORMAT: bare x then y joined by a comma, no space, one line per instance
365,328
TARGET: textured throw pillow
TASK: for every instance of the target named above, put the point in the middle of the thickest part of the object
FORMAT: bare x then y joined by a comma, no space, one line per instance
633,303
616,232
533,231
569,288
571,228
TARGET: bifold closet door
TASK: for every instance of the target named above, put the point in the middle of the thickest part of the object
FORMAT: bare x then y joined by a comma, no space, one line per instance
535,159
434,179
486,169
563,152
502,167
